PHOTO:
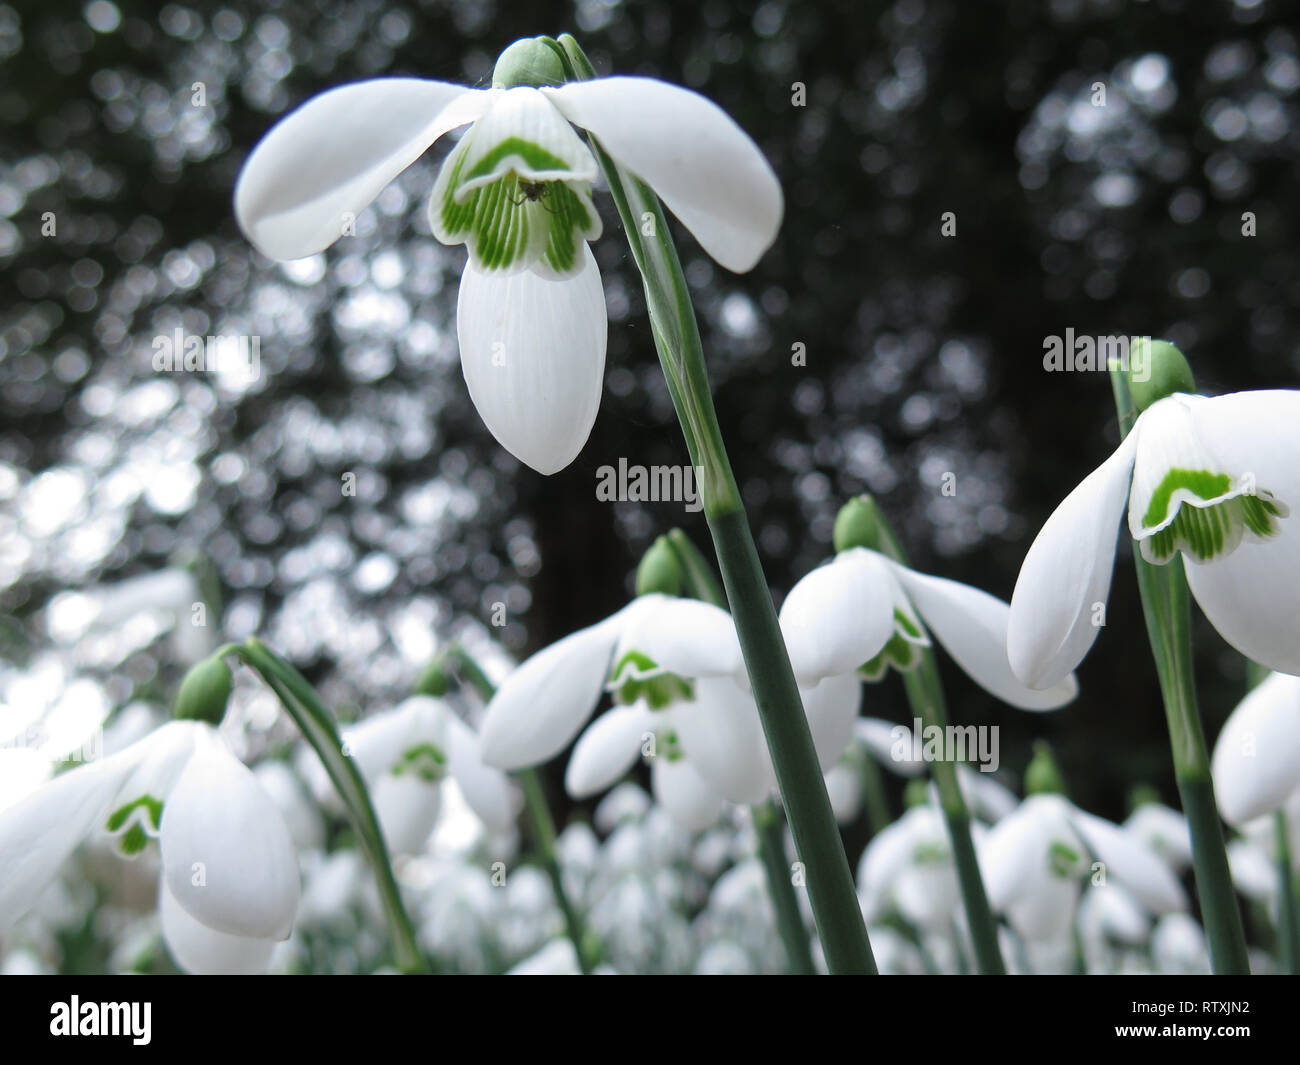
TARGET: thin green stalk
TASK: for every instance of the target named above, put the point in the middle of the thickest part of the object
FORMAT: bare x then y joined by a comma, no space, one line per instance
1288,924
925,695
585,944
701,584
874,797
317,727
1166,609
677,339
785,904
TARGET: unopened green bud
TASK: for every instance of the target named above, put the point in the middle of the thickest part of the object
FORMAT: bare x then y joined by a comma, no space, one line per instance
1142,795
433,681
1042,776
858,524
204,692
1156,369
529,61
916,793
659,570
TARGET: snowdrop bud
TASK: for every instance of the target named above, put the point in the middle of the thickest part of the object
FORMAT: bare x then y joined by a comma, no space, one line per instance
1042,777
204,692
659,570
1157,369
858,524
916,792
433,681
530,61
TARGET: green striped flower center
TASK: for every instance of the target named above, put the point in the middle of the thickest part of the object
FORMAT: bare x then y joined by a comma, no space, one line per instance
902,652
636,676
1209,519
514,220
425,761
135,823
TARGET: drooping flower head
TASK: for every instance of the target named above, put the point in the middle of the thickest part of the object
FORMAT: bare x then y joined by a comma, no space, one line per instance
516,191
1212,480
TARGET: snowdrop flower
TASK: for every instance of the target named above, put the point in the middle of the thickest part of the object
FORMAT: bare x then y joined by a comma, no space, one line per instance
1210,479
170,595
909,867
1178,946
863,612
675,671
516,190
404,755
1165,831
1035,861
229,885
1256,763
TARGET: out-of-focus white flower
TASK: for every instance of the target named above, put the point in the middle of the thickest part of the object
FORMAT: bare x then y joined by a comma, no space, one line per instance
1036,859
1256,764
229,885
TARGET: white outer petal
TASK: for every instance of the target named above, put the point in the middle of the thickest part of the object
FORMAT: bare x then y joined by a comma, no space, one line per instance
972,626
1165,831
1132,863
832,709
1067,571
704,167
541,706
219,820
40,831
533,354
890,747
203,951
407,808
336,152
722,737
683,636
687,797
839,616
1256,764
607,749
487,790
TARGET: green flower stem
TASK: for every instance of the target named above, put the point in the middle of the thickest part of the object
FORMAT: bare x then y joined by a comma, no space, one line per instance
542,825
1288,924
925,695
317,727
874,797
699,581
785,904
677,338
1165,606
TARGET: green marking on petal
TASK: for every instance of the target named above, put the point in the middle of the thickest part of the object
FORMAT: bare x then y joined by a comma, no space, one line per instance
669,746
141,819
900,651
1206,532
535,159
425,760
637,676
1201,483
1063,860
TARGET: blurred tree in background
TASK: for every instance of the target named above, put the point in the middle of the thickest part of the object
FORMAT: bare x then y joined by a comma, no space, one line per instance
125,124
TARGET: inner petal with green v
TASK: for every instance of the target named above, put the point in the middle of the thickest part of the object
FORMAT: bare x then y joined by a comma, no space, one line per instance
901,650
516,190
1206,514
426,761
636,676
135,823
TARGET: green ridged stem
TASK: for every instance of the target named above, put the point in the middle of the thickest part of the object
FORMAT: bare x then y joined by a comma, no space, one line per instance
585,944
700,583
1166,610
317,727
677,339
